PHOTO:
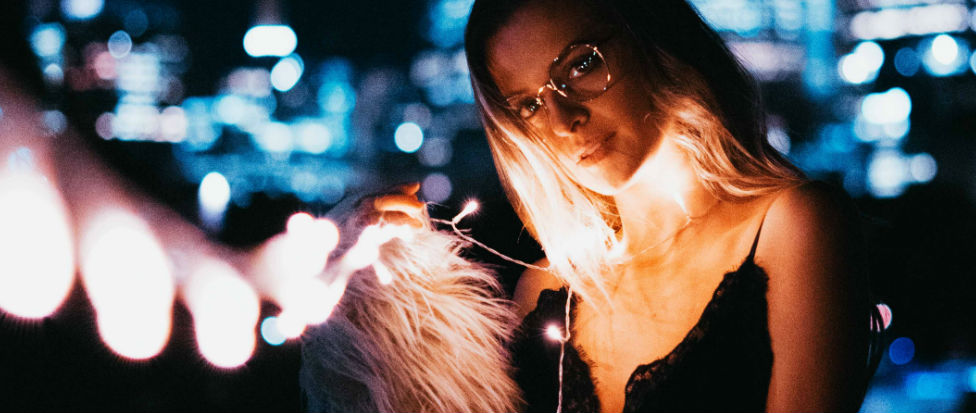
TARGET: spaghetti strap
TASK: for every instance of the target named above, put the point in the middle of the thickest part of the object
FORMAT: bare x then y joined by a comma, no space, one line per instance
755,242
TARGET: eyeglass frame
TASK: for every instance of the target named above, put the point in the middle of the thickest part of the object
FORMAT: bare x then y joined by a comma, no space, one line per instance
551,83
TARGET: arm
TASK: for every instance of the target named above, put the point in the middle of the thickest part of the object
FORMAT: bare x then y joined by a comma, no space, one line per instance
529,285
818,323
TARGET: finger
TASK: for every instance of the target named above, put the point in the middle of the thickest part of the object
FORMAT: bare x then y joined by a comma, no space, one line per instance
404,203
410,188
400,218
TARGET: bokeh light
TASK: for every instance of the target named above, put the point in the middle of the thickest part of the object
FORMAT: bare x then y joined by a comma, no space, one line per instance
213,195
436,152
862,64
127,277
47,39
932,385
972,59
36,251
136,22
923,167
81,9
225,312
312,137
270,331
336,97
891,106
275,137
888,173
286,73
944,55
887,316
436,187
270,40
54,121
314,239
901,350
119,44
408,137
779,139
173,124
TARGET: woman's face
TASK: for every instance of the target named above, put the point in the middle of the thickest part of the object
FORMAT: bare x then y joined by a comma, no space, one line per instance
601,140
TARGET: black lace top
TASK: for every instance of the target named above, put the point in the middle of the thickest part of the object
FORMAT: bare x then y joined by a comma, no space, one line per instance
722,364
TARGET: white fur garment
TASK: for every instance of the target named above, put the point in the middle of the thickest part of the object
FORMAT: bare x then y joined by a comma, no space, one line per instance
434,340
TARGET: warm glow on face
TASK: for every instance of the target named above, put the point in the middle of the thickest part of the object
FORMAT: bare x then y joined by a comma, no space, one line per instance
36,253
128,280
225,313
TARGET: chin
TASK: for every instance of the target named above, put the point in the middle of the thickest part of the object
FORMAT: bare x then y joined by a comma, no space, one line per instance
607,184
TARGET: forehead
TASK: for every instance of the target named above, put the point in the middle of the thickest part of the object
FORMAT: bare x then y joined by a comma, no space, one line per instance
520,53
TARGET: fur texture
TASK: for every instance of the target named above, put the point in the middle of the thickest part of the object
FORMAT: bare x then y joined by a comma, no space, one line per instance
434,340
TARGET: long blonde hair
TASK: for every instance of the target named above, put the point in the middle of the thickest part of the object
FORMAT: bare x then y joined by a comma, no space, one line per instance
713,114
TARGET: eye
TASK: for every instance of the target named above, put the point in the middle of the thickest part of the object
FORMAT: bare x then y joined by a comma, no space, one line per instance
527,107
583,65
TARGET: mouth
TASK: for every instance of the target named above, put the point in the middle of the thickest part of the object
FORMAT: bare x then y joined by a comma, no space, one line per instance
594,150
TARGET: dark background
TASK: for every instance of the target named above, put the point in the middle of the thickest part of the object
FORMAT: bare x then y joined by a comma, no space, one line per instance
921,241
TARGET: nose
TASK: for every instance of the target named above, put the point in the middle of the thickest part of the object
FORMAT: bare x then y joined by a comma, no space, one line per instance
566,116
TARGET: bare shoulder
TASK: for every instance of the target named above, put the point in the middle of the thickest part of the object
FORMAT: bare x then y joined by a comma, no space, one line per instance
530,284
810,207
810,200
809,223
811,250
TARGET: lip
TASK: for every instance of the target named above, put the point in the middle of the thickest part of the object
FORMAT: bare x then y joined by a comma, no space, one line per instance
594,150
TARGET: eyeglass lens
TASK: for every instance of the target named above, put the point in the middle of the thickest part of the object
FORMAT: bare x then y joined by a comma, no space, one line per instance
579,73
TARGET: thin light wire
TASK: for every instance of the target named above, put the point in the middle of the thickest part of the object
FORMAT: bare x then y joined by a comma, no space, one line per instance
562,349
464,236
569,292
468,209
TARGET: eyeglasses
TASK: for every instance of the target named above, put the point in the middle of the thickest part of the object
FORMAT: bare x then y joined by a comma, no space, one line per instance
579,73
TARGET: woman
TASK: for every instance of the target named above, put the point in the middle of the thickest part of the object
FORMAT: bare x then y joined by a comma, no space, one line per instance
706,273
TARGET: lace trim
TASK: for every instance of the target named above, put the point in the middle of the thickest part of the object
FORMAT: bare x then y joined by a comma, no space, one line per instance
645,377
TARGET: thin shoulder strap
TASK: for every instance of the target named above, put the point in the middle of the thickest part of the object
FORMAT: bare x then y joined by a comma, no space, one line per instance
755,242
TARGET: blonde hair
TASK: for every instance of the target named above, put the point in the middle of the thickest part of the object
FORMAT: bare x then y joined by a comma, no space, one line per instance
720,132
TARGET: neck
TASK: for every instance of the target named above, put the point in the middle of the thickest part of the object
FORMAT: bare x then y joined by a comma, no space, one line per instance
663,198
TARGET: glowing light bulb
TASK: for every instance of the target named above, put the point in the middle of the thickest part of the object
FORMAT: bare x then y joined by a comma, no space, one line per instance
554,333
468,209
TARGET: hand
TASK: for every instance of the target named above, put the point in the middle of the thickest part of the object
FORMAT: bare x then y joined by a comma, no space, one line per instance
398,207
